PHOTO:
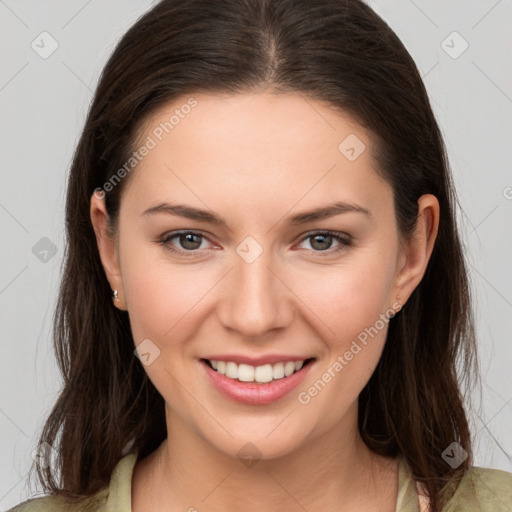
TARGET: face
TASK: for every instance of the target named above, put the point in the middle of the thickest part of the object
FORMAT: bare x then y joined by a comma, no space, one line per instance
253,280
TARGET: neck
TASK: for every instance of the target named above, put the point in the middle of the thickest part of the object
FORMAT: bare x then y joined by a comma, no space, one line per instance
188,473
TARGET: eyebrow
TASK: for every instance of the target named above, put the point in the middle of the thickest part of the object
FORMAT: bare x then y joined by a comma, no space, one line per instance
323,212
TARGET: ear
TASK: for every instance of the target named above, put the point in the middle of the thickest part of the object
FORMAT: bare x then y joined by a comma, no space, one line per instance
418,248
107,246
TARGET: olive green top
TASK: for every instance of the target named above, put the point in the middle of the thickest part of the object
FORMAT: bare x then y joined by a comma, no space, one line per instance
480,490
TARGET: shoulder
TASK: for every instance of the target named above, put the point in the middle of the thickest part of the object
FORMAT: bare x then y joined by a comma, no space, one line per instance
116,496
40,504
483,489
94,503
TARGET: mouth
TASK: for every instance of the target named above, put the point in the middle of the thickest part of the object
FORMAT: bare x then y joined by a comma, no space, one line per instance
256,385
259,374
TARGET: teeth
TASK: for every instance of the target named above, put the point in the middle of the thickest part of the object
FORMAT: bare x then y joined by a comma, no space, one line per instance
262,374
289,368
278,371
231,370
244,372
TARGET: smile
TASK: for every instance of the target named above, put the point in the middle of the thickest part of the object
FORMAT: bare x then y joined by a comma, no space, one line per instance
256,385
261,374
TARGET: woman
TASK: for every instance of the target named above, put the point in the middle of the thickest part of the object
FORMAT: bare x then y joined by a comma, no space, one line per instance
265,295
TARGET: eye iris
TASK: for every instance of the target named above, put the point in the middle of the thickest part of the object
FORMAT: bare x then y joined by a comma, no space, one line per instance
186,239
323,239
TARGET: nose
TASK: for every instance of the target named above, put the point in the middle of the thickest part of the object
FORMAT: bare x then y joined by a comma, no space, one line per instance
256,301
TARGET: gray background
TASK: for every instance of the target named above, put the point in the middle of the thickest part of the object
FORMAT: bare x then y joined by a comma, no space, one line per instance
43,105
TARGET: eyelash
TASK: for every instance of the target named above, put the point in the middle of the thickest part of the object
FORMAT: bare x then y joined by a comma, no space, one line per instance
344,240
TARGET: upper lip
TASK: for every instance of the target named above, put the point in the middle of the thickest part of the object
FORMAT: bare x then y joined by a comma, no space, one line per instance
257,361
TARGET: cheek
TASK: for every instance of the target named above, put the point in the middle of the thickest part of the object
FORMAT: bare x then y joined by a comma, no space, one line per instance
353,308
351,296
161,296
162,302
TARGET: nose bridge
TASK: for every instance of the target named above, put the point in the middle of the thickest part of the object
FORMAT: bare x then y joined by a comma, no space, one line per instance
257,300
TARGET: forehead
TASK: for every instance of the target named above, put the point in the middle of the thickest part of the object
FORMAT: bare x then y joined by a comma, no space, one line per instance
271,119
282,146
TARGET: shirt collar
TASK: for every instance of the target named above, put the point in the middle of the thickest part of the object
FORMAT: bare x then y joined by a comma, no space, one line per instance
120,487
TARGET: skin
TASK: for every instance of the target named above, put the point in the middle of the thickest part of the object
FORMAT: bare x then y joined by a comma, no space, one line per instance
255,159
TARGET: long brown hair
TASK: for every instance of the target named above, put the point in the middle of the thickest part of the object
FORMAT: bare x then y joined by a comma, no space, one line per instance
336,51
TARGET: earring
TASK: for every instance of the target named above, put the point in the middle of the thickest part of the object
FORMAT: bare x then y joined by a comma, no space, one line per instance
115,295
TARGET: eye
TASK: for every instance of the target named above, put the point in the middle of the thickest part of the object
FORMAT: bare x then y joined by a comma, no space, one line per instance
189,242
321,241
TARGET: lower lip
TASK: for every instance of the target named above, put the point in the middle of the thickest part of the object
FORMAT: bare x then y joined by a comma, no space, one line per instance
252,393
